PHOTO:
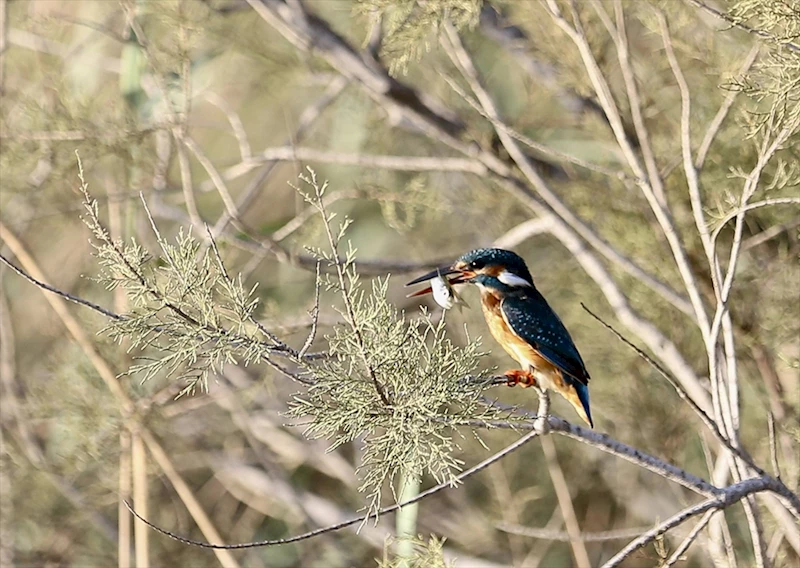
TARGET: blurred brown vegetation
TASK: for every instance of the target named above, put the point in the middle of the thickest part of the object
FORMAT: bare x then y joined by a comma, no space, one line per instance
216,80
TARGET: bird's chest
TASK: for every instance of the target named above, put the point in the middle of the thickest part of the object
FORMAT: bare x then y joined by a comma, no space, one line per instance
519,349
500,330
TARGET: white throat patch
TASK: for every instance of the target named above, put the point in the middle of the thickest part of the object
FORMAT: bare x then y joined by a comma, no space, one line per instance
511,279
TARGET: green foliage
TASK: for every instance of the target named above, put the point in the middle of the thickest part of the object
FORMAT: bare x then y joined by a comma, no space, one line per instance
400,384
185,306
774,81
779,19
420,370
409,24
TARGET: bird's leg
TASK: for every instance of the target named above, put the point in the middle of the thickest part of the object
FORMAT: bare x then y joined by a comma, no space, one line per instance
520,377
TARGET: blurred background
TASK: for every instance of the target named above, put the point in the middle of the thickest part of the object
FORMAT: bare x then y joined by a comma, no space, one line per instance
210,107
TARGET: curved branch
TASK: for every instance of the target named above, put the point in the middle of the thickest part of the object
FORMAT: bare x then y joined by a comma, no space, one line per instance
355,520
730,496
4,235
750,207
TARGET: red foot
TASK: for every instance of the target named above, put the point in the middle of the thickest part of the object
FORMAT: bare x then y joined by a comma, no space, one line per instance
520,377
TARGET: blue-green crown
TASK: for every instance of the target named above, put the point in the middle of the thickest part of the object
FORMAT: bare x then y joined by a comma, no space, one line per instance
511,261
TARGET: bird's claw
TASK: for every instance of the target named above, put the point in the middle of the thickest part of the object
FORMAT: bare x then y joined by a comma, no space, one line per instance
519,377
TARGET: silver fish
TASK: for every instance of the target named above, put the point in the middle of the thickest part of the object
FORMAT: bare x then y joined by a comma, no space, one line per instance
445,293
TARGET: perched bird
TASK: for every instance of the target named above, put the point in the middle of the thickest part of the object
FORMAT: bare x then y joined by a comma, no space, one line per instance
523,323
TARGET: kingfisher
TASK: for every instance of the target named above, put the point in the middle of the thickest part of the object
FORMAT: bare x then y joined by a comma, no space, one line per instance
522,322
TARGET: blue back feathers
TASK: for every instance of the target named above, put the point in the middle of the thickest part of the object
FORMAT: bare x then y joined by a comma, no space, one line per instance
532,318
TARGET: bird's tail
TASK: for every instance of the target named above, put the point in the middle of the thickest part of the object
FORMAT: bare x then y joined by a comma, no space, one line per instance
578,397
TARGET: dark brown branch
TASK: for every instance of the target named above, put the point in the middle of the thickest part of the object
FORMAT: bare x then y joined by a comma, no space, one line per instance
74,299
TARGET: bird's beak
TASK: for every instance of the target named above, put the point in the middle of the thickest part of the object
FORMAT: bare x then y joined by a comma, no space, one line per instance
444,272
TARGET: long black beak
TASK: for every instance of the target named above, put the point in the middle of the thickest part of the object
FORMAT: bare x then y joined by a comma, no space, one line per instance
443,271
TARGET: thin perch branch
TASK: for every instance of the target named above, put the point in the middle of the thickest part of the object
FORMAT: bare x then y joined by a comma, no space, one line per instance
730,496
350,522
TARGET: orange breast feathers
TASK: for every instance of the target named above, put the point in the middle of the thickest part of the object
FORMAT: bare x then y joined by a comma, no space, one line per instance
547,375
519,350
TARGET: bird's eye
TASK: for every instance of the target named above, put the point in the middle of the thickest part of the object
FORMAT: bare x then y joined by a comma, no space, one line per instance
477,264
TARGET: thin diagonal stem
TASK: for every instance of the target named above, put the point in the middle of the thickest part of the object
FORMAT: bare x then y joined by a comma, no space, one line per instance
355,520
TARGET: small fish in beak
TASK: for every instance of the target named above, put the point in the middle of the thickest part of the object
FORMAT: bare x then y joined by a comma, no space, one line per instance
441,287
444,293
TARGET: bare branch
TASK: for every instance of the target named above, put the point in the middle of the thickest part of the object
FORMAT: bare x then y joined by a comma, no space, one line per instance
620,37
385,162
716,123
770,233
356,520
522,232
773,447
211,170
690,538
686,147
728,497
186,182
565,503
236,123
5,235
662,214
559,536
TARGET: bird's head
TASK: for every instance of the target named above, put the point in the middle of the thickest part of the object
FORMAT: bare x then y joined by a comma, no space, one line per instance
492,269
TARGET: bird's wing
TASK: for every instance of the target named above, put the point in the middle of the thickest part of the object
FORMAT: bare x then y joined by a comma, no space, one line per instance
531,318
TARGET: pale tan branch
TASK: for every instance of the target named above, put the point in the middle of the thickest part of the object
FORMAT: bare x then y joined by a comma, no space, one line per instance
576,33
565,503
634,99
716,123
235,121
689,168
560,536
728,497
386,162
522,232
690,538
